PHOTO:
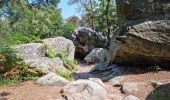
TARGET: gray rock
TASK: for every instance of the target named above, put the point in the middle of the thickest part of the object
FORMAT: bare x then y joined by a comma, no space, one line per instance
143,37
98,81
97,55
116,81
84,90
61,44
45,65
30,50
131,97
116,97
146,43
138,9
129,87
51,79
86,39
102,67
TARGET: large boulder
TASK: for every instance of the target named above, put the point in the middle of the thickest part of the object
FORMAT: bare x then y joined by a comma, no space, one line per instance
51,79
92,89
44,65
97,55
30,50
61,44
137,9
143,37
143,43
85,40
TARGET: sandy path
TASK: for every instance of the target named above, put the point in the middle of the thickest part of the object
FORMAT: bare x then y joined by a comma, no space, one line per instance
31,91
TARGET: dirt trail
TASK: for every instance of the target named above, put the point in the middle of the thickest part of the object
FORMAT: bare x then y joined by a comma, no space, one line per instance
31,91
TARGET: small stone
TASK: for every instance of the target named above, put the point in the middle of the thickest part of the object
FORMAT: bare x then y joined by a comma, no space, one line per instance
131,97
156,83
51,79
116,97
129,87
116,81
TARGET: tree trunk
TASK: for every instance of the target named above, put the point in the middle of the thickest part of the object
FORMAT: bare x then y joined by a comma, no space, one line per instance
107,22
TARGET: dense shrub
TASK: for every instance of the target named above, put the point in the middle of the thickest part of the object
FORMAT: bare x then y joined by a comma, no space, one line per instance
67,30
12,67
66,74
8,58
23,22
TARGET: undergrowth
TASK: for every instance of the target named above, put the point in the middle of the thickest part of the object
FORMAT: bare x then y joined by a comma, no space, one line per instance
12,67
63,55
160,95
66,74
15,80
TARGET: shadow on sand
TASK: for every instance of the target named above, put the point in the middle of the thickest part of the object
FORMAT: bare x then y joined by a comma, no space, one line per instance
107,71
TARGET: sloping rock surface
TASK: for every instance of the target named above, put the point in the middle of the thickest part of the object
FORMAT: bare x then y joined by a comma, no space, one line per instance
61,44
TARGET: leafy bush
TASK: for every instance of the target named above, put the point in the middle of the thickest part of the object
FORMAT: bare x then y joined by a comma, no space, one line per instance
68,63
4,82
160,95
8,58
66,74
14,80
16,38
42,21
23,22
12,68
67,30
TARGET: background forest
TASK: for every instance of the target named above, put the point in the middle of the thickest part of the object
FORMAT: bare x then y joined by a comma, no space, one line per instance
23,21
26,21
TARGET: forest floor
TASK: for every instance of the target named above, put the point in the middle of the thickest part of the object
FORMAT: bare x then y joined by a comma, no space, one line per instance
30,91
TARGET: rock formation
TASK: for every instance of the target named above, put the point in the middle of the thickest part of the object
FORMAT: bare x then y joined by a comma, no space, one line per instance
85,40
61,44
97,55
144,33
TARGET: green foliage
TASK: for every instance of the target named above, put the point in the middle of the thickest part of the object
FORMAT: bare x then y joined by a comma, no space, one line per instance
66,74
67,30
23,23
8,58
18,38
4,82
68,63
41,22
13,69
14,80
100,15
160,95
51,53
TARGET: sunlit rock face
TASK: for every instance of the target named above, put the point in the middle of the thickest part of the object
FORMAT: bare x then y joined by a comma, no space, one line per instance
138,9
143,37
